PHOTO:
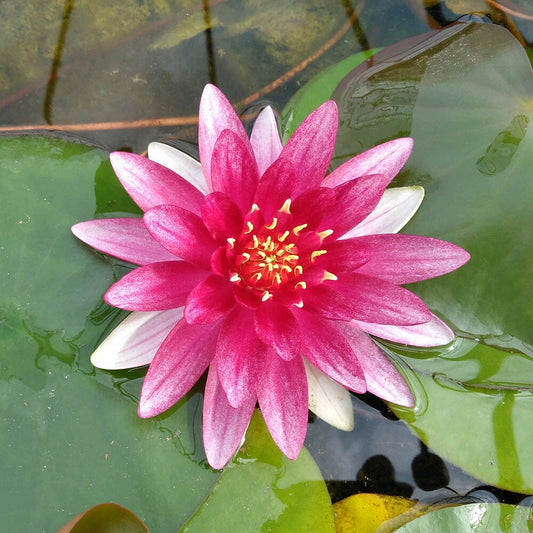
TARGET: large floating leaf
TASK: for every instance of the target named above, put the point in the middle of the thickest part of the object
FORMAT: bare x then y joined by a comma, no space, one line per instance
71,438
474,407
465,94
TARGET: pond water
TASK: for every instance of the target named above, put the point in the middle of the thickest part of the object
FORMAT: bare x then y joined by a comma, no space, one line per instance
121,74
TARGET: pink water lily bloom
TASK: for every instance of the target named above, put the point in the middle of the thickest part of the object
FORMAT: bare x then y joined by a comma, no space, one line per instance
268,273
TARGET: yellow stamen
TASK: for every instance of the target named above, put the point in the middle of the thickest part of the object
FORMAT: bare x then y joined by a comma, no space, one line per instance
282,237
323,234
258,275
235,277
256,241
250,227
299,304
286,207
292,258
246,257
317,253
231,242
255,207
272,225
266,296
298,270
277,277
301,284
299,228
328,275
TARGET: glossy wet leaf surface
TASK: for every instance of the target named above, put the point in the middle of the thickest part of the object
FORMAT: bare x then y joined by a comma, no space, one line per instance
71,437
491,517
464,94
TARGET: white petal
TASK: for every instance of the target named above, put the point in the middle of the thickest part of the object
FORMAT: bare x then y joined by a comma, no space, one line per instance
432,333
396,207
265,139
135,340
328,400
179,162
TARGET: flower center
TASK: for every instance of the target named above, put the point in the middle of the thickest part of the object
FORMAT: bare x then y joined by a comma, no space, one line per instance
269,259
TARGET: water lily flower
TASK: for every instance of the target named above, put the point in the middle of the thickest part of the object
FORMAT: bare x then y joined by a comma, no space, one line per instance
257,266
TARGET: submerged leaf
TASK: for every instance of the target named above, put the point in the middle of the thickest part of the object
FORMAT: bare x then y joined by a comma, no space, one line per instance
105,518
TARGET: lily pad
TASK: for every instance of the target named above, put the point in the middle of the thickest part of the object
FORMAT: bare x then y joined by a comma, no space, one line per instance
263,490
71,437
316,91
464,94
492,517
474,407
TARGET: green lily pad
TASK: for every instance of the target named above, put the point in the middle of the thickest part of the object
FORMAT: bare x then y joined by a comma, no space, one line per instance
464,94
71,437
491,517
268,490
316,91
474,407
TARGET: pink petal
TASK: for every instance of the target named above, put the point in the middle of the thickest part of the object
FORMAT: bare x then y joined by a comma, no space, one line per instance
224,426
276,326
355,296
342,257
234,170
387,159
135,340
239,356
403,259
432,333
324,345
179,162
265,139
312,206
282,397
396,207
210,300
125,238
151,184
355,200
221,216
182,233
328,400
246,297
155,287
382,377
275,186
216,115
311,146
178,364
